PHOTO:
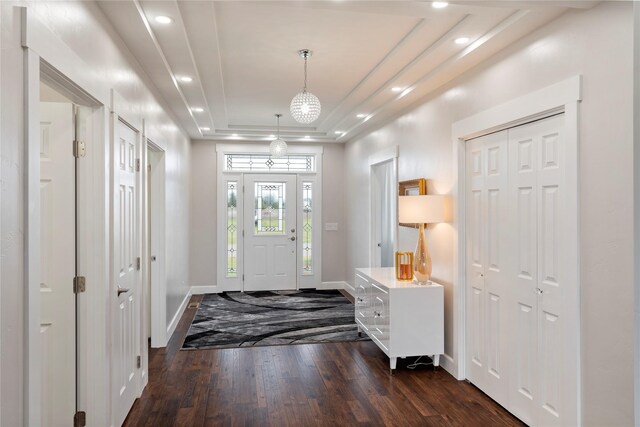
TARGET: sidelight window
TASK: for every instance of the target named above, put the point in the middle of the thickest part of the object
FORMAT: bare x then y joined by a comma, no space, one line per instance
307,228
232,229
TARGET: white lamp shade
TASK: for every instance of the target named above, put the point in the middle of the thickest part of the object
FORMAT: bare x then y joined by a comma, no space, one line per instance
427,209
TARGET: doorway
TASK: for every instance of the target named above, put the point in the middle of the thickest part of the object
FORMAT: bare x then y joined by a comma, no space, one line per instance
520,339
58,129
156,261
270,232
384,195
269,218
126,289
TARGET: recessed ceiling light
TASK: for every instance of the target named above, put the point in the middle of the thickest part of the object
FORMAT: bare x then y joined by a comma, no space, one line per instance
397,89
307,137
271,136
197,109
163,19
205,129
462,40
235,135
185,79
439,4
406,91
338,132
361,115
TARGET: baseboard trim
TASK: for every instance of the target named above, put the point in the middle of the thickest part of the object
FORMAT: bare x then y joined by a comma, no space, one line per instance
449,364
176,318
349,288
199,290
332,285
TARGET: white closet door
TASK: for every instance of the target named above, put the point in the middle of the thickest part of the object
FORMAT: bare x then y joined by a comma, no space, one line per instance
487,264
542,342
521,350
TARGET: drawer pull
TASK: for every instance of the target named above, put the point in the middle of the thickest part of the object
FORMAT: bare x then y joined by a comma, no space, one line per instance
377,314
359,299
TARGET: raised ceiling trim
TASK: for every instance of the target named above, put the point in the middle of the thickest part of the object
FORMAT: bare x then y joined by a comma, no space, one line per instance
152,35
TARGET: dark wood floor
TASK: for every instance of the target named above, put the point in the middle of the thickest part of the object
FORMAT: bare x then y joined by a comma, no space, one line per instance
333,384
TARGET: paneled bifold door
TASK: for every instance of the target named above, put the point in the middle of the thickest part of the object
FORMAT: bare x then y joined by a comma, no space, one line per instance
519,344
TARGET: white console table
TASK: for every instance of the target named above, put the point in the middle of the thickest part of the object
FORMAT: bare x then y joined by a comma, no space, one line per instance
404,319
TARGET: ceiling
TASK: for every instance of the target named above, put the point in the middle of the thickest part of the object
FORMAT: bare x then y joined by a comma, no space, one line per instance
242,57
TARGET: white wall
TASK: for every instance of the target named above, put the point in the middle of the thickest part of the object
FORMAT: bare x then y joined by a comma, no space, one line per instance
107,64
203,213
598,44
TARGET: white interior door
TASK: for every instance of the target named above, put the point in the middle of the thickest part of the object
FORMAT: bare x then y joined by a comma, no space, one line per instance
543,342
487,263
384,194
520,348
57,261
270,232
126,275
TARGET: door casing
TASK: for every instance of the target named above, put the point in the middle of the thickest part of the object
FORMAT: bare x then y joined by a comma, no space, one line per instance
387,155
562,97
224,283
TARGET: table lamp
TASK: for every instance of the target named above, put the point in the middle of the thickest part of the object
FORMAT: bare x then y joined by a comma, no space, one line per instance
426,209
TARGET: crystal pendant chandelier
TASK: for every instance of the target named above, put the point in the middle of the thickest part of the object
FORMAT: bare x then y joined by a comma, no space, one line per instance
278,148
305,106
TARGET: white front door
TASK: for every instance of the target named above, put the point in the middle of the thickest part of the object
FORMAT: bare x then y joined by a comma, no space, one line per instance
126,276
57,263
269,232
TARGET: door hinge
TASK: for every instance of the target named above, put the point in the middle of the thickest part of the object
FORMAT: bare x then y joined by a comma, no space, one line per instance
242,233
80,419
243,277
138,263
79,149
243,188
139,362
137,165
79,284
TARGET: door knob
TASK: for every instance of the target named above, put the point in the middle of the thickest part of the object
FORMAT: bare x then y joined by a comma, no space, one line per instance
122,290
153,257
293,230
293,238
539,291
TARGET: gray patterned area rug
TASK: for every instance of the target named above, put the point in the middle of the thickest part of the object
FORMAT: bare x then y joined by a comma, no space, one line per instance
236,319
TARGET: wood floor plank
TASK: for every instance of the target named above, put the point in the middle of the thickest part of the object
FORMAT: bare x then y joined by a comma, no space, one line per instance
331,384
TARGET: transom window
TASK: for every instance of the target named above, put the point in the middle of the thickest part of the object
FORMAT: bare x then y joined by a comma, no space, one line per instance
266,163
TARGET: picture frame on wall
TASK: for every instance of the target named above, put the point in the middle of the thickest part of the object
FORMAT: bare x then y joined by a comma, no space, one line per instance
412,187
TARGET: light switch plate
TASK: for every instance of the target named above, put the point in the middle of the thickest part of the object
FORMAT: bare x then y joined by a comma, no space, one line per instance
330,226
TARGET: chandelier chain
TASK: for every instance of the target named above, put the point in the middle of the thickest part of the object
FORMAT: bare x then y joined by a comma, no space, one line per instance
305,73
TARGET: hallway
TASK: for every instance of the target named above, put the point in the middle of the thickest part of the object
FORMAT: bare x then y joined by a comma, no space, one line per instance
299,385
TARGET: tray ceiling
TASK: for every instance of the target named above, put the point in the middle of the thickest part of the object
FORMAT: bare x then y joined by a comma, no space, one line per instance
242,58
